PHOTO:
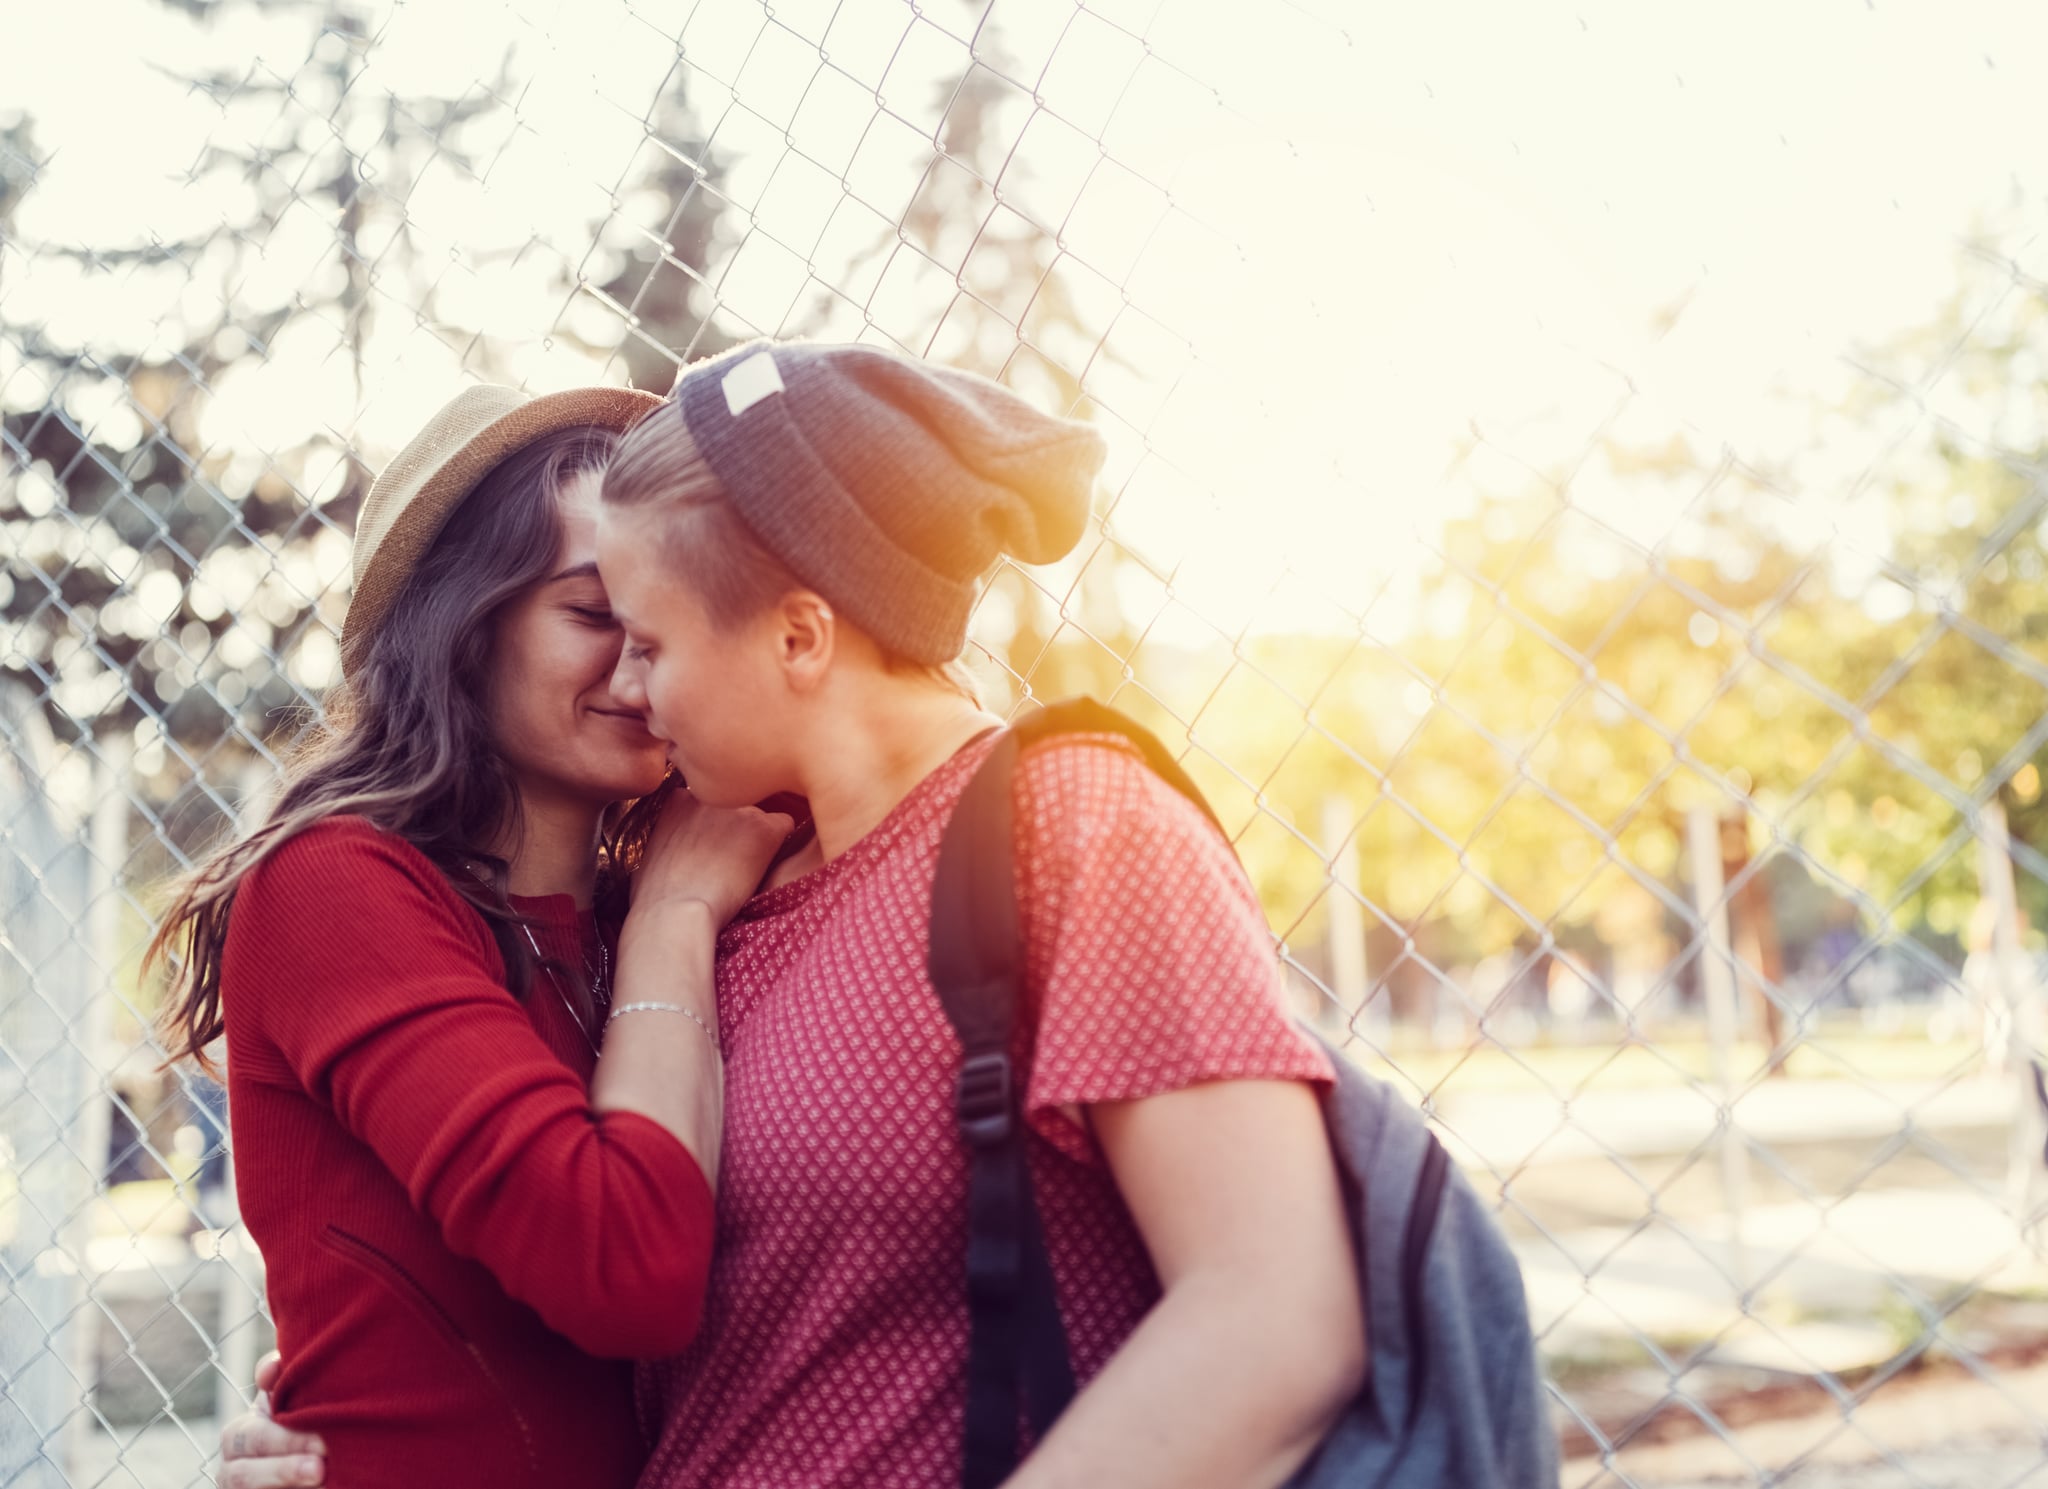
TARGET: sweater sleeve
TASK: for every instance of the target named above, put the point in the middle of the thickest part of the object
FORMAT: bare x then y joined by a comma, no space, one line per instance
377,987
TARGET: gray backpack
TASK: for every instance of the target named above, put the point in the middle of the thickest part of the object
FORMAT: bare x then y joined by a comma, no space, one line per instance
1453,1396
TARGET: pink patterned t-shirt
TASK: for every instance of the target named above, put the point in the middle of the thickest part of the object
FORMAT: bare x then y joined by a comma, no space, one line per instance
834,1344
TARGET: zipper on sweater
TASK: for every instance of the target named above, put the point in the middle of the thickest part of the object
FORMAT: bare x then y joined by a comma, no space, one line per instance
374,1259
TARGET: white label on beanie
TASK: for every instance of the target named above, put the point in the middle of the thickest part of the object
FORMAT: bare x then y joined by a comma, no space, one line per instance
750,382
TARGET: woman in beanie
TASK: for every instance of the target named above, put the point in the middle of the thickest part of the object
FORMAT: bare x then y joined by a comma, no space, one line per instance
793,549
470,1219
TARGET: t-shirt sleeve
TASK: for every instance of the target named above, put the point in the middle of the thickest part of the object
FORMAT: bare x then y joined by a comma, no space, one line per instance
357,974
1148,965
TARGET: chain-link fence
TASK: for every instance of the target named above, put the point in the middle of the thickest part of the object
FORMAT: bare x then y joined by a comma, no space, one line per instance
1646,780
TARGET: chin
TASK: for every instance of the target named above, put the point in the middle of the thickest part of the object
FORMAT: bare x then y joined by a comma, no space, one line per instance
626,779
714,793
731,783
643,781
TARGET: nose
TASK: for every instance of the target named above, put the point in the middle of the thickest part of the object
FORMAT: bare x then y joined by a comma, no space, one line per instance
629,687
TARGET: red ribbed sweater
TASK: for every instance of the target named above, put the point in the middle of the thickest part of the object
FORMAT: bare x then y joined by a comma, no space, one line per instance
452,1234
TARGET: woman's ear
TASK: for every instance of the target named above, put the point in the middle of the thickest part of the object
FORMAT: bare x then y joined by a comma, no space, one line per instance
806,638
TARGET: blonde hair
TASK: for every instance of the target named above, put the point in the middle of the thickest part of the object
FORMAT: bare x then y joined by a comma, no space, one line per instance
659,468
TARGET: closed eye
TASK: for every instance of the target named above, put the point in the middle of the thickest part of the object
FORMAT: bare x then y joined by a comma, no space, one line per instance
594,616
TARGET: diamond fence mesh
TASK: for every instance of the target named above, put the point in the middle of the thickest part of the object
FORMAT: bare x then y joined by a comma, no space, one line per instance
1657,805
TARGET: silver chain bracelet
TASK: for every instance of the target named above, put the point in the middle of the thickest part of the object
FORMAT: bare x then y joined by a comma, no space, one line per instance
690,1014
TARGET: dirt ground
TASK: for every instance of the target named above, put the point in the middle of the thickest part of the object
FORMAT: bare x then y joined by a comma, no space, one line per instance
1944,1429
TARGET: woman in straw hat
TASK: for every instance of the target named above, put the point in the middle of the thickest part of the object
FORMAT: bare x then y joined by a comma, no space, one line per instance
476,1132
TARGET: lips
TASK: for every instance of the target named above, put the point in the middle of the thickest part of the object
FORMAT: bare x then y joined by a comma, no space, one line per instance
638,721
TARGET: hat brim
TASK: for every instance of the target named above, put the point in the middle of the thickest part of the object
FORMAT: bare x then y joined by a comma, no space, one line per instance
413,533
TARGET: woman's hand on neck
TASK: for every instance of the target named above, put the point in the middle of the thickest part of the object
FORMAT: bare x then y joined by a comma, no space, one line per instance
876,746
557,849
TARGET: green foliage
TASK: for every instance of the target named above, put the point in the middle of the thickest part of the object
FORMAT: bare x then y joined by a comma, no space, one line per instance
1524,762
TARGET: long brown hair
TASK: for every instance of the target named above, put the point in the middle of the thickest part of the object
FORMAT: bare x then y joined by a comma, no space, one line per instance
406,739
705,541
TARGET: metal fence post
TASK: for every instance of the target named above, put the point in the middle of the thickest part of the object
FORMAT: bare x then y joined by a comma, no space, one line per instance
2011,987
1717,987
42,1083
236,1257
1349,975
92,1024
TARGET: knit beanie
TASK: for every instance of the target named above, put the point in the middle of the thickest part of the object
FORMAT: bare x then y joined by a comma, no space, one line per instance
886,484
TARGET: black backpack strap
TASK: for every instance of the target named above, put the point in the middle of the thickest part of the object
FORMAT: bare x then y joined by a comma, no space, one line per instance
1017,1346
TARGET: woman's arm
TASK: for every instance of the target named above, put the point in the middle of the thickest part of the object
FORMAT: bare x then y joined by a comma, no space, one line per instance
1258,1341
656,1066
355,973
701,864
1158,1012
665,1065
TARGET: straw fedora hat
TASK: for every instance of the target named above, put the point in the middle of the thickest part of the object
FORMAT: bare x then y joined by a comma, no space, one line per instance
411,500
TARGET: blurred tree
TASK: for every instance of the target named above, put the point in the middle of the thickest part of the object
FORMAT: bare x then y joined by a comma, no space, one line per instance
1525,758
1541,718
19,161
176,517
173,566
652,264
1962,693
968,275
1899,671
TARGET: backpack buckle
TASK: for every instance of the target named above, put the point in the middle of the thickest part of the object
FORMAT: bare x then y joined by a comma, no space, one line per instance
982,1098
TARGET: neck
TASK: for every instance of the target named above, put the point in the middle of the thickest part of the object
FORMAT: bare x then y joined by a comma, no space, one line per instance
875,753
557,852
